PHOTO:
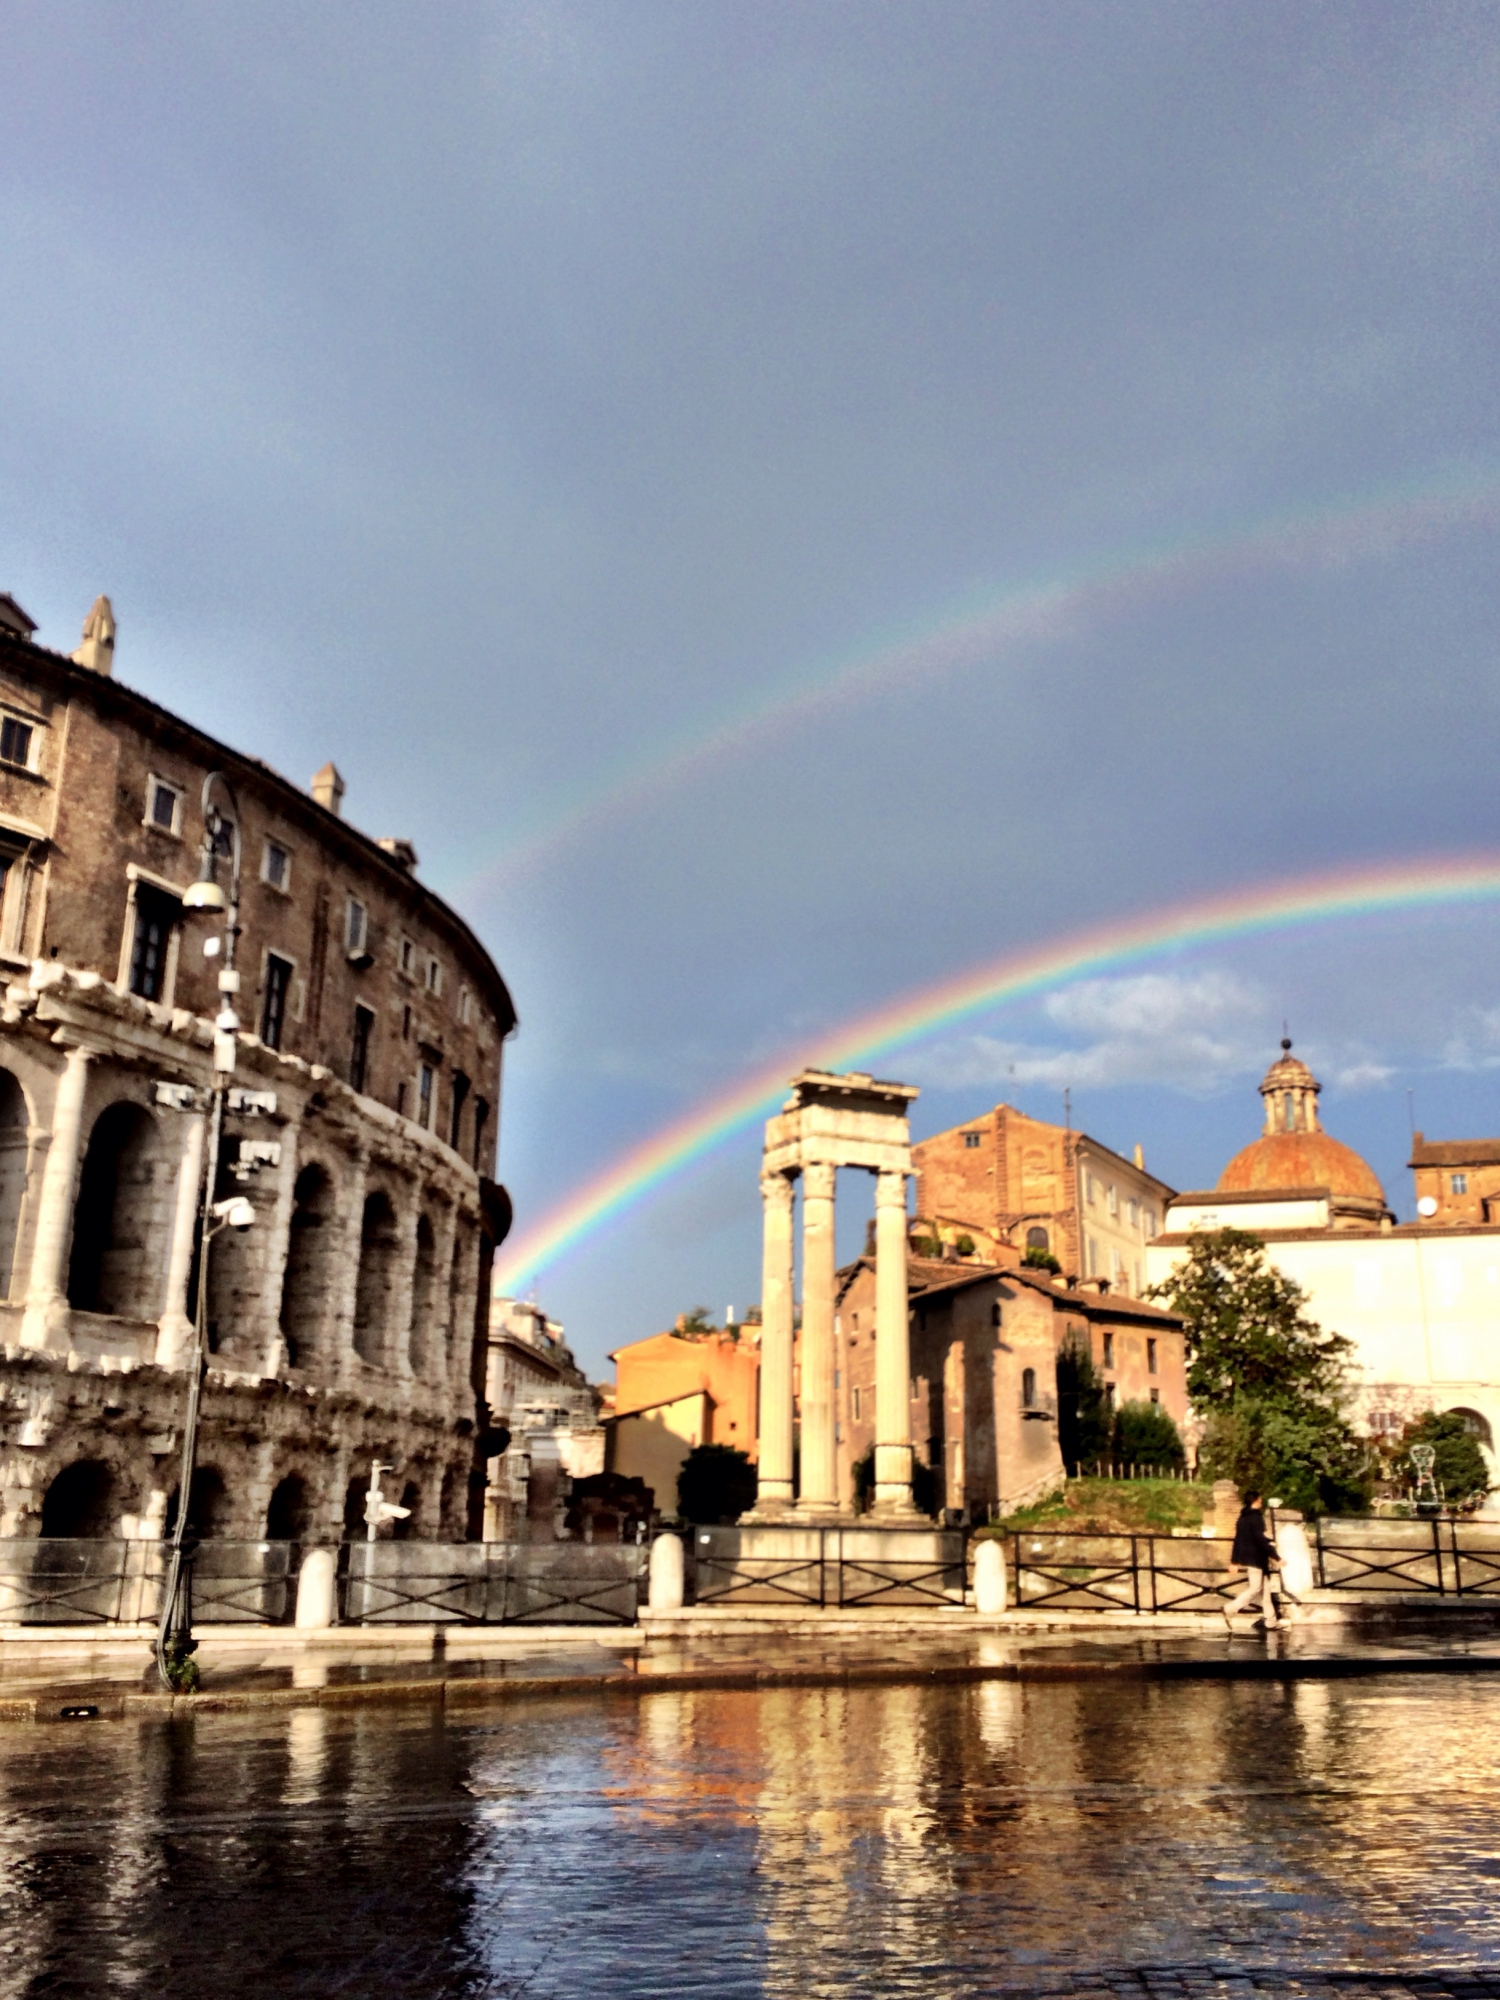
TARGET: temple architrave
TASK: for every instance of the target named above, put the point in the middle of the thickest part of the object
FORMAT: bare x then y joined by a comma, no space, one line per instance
348,1323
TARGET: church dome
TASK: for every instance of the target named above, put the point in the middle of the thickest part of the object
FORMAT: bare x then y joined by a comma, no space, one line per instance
1293,1151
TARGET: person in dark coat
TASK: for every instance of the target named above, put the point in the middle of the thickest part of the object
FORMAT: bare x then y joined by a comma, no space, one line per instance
1255,1553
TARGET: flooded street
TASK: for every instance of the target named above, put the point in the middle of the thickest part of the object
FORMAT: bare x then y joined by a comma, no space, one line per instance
952,1840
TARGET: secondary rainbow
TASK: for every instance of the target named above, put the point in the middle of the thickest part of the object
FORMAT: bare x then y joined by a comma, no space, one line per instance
1012,624
1281,905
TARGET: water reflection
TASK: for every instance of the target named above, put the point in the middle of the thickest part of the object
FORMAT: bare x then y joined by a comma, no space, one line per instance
792,1842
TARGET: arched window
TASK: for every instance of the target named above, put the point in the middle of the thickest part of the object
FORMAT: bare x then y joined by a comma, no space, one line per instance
1037,1238
312,1253
123,1216
12,1175
1028,1388
377,1270
80,1503
208,1509
426,1322
286,1517
1477,1426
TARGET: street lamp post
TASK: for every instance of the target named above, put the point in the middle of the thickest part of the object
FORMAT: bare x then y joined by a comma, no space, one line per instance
174,1634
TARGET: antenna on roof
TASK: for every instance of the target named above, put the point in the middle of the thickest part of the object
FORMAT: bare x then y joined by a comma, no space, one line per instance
1068,1109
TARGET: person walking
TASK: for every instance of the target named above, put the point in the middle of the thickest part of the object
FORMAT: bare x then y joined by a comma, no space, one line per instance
1254,1553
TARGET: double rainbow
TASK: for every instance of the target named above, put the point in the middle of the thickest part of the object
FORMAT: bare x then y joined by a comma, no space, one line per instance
1297,902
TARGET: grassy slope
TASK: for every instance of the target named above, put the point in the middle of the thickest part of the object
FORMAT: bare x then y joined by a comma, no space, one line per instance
1116,1506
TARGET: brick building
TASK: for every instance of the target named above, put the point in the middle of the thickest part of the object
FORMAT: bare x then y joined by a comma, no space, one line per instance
1460,1177
1004,1178
680,1389
348,1323
984,1347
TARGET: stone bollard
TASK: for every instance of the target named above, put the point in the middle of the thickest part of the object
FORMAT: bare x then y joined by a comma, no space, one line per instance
1296,1556
315,1589
989,1579
1226,1507
667,1570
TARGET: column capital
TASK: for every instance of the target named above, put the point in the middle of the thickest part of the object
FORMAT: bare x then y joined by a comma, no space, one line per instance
776,1190
818,1181
890,1187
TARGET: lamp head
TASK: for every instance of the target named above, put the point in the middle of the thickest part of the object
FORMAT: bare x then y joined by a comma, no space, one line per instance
205,896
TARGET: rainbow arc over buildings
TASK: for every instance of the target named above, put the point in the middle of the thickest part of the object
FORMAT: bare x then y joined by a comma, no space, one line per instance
1296,902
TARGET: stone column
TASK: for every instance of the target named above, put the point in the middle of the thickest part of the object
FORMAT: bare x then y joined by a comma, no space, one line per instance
45,1320
892,1349
342,1363
774,1482
819,1464
174,1330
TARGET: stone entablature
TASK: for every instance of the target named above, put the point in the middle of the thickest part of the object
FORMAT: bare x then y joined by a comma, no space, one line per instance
343,1324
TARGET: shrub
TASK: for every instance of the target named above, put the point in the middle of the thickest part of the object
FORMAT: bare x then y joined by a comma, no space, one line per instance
1458,1464
1144,1434
964,1245
716,1483
1038,1259
924,1484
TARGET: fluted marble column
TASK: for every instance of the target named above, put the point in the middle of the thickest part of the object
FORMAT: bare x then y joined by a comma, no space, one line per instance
45,1320
819,1484
892,1350
774,1480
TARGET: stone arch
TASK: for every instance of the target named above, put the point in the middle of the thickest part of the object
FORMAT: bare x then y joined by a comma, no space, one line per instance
1477,1425
122,1218
378,1250
311,1267
79,1505
208,1504
14,1119
287,1516
426,1300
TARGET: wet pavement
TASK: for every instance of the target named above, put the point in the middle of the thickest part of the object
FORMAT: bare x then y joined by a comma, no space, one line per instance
1008,1837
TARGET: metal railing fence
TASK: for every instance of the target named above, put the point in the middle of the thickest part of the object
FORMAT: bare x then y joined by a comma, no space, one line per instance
832,1572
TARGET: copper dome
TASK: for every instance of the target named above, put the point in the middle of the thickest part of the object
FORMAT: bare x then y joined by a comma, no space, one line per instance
1300,1160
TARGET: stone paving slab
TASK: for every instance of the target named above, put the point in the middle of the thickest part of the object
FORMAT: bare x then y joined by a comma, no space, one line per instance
1223,1983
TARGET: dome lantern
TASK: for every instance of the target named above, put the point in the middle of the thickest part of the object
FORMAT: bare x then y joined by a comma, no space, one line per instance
1291,1093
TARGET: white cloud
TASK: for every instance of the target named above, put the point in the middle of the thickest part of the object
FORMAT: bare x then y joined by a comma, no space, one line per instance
1475,1042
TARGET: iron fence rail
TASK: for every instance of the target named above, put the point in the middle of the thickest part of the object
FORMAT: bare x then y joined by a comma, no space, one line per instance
83,1583
833,1572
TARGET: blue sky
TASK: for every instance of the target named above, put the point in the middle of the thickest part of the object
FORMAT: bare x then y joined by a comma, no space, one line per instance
488,396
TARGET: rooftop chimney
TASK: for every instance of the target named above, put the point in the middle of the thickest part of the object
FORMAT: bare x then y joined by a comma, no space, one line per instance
97,652
401,852
327,788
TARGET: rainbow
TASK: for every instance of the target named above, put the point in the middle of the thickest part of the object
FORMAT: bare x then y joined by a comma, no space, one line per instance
1016,620
1276,906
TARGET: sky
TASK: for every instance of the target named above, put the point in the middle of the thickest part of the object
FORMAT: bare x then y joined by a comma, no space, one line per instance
784,502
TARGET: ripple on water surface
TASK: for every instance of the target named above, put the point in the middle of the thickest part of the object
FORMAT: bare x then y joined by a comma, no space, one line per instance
953,1840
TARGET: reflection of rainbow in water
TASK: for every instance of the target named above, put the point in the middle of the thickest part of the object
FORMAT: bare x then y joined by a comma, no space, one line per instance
1029,615
1017,976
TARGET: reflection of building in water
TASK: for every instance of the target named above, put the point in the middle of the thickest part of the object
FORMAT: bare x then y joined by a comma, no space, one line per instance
537,1392
1420,1301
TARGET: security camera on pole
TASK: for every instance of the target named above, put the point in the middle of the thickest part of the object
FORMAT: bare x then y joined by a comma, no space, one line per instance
379,1510
175,1643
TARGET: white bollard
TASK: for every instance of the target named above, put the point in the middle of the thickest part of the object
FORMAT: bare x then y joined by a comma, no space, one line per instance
315,1589
989,1579
1296,1556
667,1569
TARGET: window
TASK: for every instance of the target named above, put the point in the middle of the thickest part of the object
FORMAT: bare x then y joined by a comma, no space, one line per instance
273,1005
1134,1212
221,832
407,957
276,866
971,1140
1111,1199
156,916
1038,1239
163,806
855,1393
481,1119
406,1024
1150,1356
1289,1110
359,1047
456,1117
356,924
1109,1395
426,1078
1093,1256
1028,1388
465,1005
1109,1350
1150,1223
1458,1183
1155,1393
1088,1189
997,1314
434,976
15,741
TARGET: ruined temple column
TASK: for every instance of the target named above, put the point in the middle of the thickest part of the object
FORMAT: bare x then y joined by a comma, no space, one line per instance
819,1484
774,1478
892,1349
174,1330
45,1320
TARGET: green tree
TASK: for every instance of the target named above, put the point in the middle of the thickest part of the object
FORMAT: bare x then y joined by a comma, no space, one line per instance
699,1320
1083,1417
1144,1434
924,1484
1269,1382
1038,1259
1458,1464
715,1483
